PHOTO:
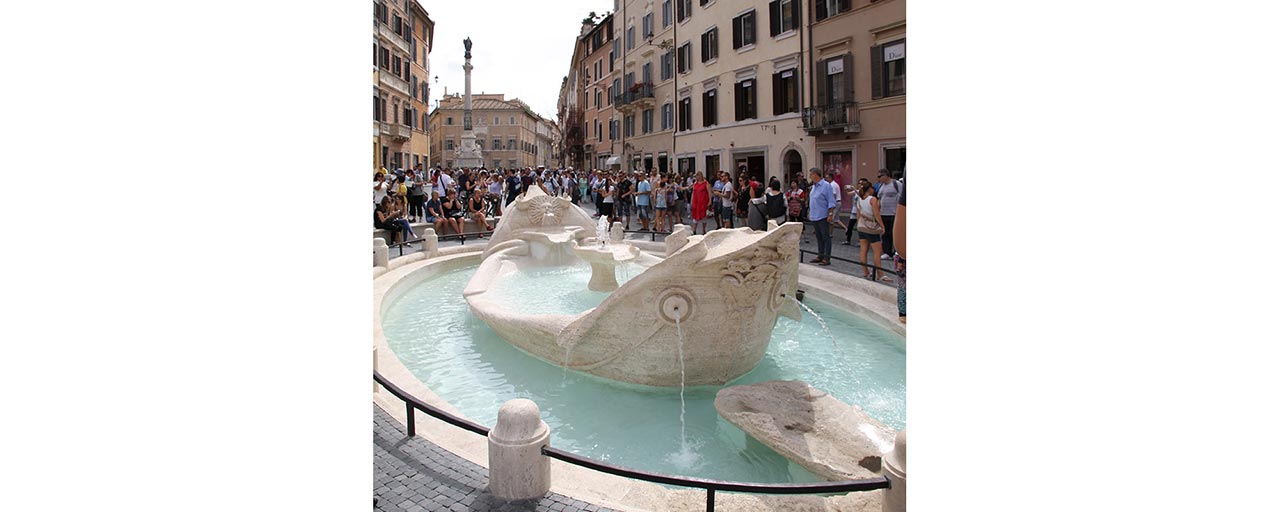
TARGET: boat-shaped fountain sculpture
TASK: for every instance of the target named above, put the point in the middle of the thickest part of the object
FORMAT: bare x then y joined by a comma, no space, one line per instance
725,290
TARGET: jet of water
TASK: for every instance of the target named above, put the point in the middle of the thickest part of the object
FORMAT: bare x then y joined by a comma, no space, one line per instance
684,442
820,322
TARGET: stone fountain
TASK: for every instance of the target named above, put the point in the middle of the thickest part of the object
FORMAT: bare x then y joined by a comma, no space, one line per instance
725,289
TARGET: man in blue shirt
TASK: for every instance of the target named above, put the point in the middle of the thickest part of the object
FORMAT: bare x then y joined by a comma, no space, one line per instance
822,210
643,191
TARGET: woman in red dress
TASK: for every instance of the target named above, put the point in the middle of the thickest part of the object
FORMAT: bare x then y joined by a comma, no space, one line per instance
698,203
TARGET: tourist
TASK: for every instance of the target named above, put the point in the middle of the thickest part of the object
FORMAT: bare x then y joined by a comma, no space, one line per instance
388,218
434,215
870,228
622,204
852,191
900,252
452,210
417,197
728,197
380,187
716,189
644,190
606,191
660,206
679,200
888,195
495,192
700,203
795,204
822,209
775,202
742,203
477,205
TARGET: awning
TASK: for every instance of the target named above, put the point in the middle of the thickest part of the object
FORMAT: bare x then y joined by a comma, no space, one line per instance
612,161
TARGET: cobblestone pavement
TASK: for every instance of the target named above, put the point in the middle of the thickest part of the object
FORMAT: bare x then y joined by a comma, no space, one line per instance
416,475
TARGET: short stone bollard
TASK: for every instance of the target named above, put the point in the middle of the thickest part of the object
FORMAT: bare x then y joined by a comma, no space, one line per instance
381,253
895,469
517,468
430,243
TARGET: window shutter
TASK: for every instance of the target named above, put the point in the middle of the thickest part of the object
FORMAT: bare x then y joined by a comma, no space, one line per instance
737,33
737,102
820,98
775,17
795,17
877,72
844,5
848,77
778,98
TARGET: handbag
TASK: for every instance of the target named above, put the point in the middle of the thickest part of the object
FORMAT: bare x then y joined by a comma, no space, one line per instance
869,225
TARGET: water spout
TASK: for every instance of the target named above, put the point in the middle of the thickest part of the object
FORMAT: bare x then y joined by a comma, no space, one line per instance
820,322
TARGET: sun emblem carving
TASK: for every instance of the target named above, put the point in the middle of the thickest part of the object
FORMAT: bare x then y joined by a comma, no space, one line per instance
544,210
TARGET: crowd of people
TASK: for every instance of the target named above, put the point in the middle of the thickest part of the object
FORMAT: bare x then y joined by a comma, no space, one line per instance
447,198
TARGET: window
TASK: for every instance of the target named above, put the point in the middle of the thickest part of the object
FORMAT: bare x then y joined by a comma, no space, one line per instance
380,12
835,82
425,125
599,105
744,99
685,53
709,108
613,54
666,13
397,25
376,54
785,93
684,115
511,144
395,63
646,121
608,96
613,129
683,9
631,38
448,144
629,126
407,116
646,73
513,119
448,120
497,144
710,45
744,30
828,8
377,109
784,16
386,59
666,116
889,69
646,26
666,65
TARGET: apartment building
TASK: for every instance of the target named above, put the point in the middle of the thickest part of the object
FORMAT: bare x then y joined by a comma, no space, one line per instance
644,93
422,30
858,107
506,131
394,49
600,65
738,87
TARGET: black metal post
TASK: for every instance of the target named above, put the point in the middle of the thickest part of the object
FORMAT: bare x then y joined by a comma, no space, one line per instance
408,415
711,499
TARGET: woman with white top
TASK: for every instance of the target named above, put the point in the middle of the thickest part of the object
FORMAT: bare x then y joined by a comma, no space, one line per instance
870,227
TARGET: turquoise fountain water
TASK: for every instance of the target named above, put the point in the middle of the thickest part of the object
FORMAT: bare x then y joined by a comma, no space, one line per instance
431,330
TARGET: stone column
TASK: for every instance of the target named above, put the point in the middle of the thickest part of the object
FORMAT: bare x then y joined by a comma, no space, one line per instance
517,468
381,253
430,243
895,469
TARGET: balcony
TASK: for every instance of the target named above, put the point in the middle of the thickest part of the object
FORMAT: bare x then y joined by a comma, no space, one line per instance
389,79
389,34
401,132
639,95
839,117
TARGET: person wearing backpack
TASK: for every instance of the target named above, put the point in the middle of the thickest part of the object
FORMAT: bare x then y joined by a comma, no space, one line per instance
888,194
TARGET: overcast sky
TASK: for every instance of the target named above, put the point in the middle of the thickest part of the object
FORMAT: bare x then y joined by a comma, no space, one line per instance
519,48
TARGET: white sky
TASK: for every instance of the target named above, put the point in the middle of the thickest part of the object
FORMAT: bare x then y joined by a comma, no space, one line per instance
520,48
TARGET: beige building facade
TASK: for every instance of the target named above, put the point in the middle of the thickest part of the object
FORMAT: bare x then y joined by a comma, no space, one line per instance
506,131
858,106
644,90
423,30
394,51
738,88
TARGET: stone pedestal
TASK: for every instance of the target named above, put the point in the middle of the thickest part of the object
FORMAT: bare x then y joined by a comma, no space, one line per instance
603,278
895,469
517,468
381,253
431,243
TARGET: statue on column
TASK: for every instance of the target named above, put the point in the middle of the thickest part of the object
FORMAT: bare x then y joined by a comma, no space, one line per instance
466,43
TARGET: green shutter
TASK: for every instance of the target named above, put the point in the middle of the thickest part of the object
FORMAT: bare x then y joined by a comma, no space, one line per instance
877,72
